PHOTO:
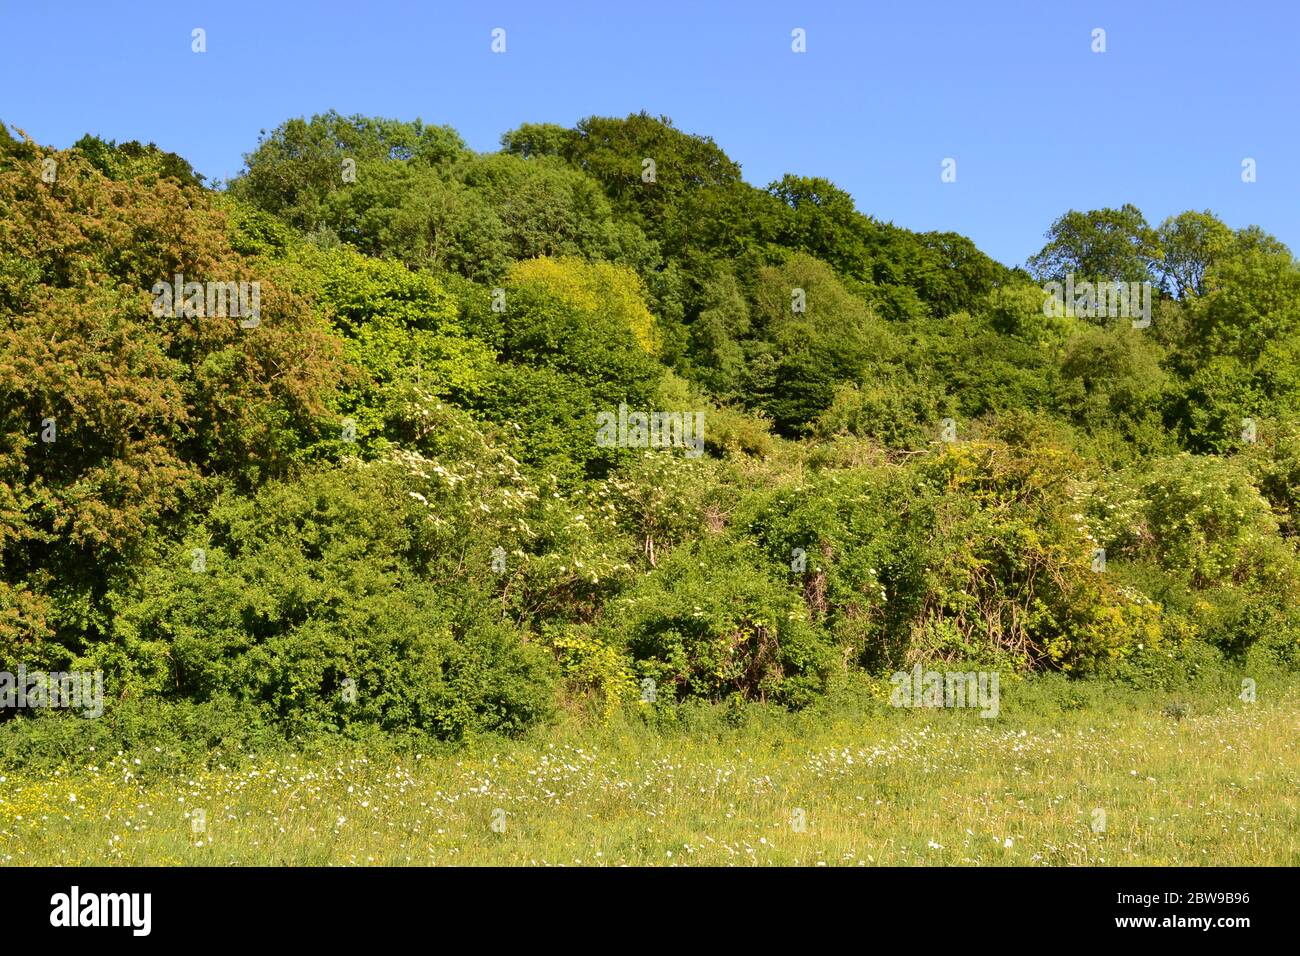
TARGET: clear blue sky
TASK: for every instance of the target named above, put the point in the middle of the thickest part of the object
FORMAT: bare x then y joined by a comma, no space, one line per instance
1037,122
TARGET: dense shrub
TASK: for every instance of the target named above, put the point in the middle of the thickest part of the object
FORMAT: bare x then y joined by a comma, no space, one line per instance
1205,519
313,605
716,620
1274,464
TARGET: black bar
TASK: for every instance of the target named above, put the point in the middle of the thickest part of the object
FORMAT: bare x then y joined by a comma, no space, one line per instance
363,906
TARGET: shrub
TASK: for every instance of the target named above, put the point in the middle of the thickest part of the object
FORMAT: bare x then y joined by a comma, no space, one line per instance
713,621
1274,465
896,411
662,499
1009,560
596,666
1110,378
839,537
1205,519
316,608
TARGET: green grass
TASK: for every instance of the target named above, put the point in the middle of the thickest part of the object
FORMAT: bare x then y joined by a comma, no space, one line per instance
1194,779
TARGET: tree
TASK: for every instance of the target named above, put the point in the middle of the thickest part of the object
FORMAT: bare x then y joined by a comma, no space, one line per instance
1189,244
1112,378
615,293
696,197
1238,353
531,140
547,208
943,270
1107,245
420,217
820,335
114,419
135,161
400,330
300,163
822,220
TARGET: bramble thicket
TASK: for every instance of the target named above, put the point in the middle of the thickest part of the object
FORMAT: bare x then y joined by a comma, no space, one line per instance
383,506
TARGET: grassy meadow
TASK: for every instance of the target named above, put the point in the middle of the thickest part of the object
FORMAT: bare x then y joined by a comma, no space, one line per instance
1069,774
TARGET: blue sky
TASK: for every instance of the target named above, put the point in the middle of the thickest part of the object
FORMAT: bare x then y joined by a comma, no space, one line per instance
1037,122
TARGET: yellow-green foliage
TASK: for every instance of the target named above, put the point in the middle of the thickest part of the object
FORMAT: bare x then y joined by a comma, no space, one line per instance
598,667
1108,626
600,287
